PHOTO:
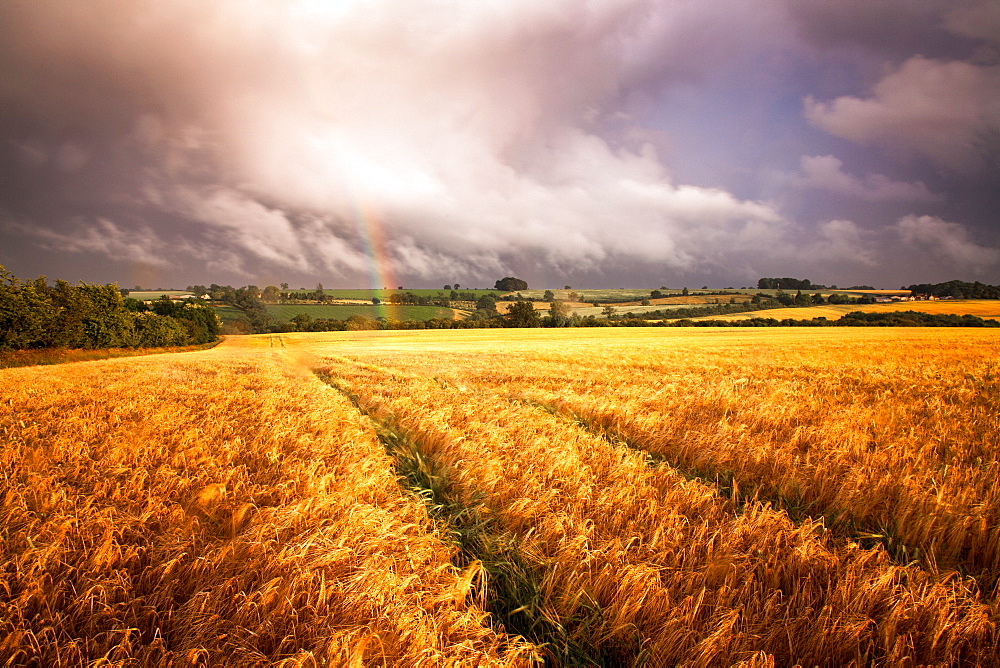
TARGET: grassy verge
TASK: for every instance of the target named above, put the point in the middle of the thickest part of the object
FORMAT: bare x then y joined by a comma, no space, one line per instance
15,358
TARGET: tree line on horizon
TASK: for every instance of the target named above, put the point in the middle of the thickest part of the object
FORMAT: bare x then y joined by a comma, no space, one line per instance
788,283
34,314
955,289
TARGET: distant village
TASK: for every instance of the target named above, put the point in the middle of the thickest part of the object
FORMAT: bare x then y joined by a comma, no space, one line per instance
910,298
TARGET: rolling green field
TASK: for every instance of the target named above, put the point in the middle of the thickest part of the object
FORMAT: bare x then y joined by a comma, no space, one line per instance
384,294
146,295
637,310
227,313
285,312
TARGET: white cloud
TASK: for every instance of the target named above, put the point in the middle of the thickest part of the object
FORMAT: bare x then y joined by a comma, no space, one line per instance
469,129
940,109
946,240
825,172
246,223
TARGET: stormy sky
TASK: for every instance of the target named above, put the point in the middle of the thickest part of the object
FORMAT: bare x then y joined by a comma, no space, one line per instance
614,143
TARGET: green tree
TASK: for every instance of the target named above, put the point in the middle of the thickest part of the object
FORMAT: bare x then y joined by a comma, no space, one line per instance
522,314
106,322
164,306
609,311
66,330
837,298
34,315
271,295
157,331
559,313
248,299
200,320
510,284
548,296
359,322
487,303
26,312
222,293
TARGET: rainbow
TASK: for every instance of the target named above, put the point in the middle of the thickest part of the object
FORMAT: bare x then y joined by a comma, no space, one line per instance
370,231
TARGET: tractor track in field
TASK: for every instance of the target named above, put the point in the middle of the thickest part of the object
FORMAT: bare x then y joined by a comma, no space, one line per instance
513,595
728,485
477,541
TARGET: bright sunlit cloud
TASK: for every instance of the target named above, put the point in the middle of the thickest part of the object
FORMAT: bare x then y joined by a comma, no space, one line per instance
632,142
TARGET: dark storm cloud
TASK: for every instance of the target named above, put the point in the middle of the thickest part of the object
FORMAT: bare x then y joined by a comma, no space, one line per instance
888,29
233,141
946,111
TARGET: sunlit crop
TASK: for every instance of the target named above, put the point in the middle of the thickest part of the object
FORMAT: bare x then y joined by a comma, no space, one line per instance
981,308
502,497
220,509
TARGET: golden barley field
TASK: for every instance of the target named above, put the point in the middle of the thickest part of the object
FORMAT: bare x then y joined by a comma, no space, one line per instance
509,498
982,308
